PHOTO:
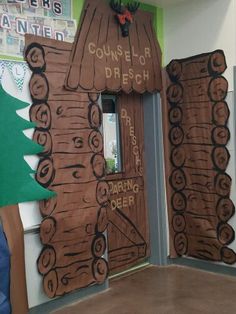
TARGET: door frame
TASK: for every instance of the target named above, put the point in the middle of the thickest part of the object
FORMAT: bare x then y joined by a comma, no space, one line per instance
155,179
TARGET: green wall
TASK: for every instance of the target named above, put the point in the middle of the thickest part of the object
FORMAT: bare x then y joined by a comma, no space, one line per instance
157,17
157,20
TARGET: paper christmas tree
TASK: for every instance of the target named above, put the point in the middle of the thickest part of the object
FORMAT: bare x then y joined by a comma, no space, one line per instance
17,183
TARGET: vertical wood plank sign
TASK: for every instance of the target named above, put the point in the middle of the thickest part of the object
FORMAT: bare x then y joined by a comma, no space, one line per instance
73,166
199,188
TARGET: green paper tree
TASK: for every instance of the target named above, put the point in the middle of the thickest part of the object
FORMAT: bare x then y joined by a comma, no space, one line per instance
17,183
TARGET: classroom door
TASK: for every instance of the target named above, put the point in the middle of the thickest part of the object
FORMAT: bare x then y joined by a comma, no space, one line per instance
128,231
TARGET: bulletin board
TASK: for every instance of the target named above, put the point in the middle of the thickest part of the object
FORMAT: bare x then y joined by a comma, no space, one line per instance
42,18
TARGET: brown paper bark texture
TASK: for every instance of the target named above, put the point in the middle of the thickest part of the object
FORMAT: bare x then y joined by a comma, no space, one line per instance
196,137
72,165
13,229
128,229
102,59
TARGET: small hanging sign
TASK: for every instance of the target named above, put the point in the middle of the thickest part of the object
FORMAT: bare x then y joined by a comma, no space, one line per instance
18,71
2,69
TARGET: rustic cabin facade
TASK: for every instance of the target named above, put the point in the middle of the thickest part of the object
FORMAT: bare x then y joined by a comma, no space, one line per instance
66,87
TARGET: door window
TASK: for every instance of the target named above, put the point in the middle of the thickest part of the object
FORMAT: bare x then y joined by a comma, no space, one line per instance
111,134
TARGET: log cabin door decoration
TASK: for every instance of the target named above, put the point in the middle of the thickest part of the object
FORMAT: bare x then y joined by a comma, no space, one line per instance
128,233
65,86
199,188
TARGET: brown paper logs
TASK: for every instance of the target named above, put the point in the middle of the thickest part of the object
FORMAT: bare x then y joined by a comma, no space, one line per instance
70,195
46,260
62,115
70,169
220,135
178,223
100,270
201,225
202,158
87,195
39,87
94,116
220,113
194,112
102,192
225,233
35,57
41,115
199,203
44,139
223,184
176,135
47,55
225,209
73,141
73,166
175,115
199,134
102,220
195,67
62,280
70,225
175,94
178,201
228,256
178,180
60,254
204,248
181,243
198,90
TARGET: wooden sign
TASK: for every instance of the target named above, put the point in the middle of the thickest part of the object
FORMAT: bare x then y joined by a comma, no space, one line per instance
73,166
102,59
199,188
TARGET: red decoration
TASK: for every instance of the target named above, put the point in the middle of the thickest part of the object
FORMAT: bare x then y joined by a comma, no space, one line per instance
125,17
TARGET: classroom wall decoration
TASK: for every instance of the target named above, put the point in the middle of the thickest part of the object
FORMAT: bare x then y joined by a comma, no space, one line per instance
72,165
128,229
17,70
48,18
17,184
68,120
131,63
124,14
198,186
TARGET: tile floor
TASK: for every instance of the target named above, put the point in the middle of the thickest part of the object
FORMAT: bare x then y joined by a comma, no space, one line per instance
163,290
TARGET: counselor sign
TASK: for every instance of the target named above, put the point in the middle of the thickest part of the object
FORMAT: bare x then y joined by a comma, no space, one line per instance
102,59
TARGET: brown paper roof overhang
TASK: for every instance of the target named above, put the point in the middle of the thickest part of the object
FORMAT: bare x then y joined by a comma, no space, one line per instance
102,59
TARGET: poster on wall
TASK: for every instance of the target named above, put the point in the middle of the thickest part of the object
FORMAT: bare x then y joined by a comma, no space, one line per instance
50,19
